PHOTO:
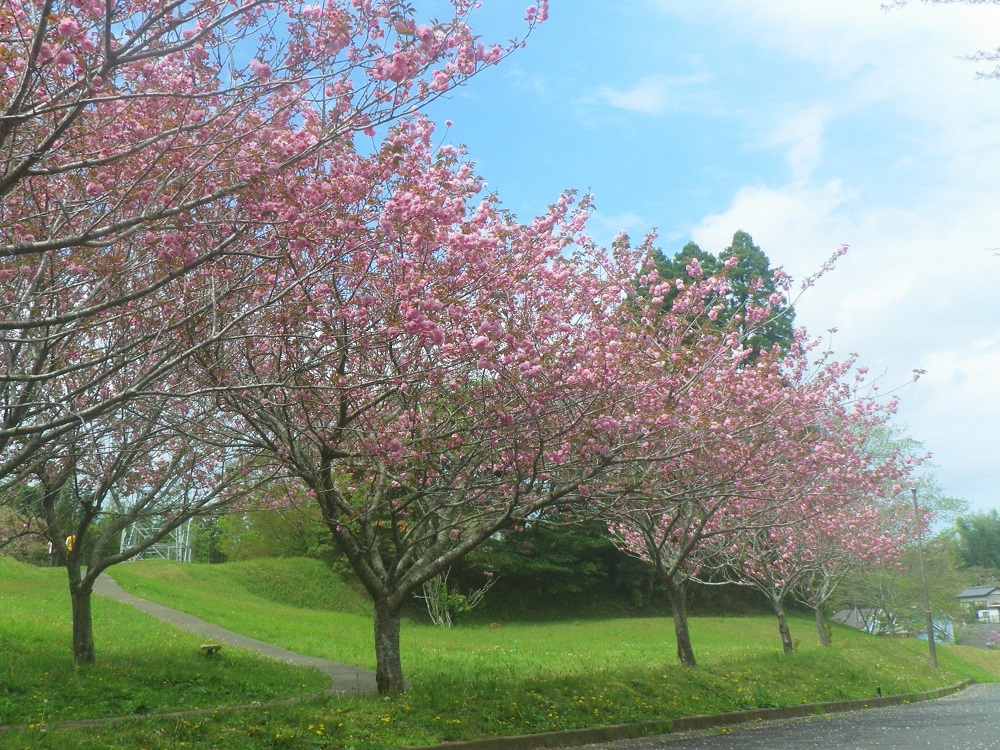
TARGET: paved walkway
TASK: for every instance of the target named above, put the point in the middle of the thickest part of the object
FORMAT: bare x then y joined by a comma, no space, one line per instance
344,677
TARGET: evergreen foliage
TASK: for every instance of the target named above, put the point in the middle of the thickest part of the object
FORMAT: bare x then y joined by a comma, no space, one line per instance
979,539
751,282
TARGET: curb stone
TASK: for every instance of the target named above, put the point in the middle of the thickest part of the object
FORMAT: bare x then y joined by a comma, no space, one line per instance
595,735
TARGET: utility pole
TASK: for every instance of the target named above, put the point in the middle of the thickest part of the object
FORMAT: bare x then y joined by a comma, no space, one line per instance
923,579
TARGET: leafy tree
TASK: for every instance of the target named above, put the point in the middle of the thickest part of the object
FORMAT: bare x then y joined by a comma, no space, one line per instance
547,562
896,591
294,530
672,269
942,509
206,540
979,539
753,282
20,523
18,539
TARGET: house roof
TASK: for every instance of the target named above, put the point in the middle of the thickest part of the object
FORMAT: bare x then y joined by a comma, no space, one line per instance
977,591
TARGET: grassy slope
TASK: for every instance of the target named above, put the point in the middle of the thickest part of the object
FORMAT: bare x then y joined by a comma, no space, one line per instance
142,665
258,597
478,681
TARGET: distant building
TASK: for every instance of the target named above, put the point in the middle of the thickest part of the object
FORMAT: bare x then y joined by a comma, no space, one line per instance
862,618
944,630
983,600
876,622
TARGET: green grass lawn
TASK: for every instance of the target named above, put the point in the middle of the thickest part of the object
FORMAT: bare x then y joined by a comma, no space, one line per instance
474,681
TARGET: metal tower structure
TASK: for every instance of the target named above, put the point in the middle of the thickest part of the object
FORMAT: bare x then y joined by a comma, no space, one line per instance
174,546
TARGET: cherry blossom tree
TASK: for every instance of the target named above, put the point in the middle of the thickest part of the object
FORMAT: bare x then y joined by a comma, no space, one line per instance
150,462
871,534
836,508
437,371
834,547
769,439
708,489
139,143
808,557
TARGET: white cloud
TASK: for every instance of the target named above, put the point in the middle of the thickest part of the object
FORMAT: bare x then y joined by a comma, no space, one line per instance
794,222
523,81
848,35
893,149
801,133
917,290
654,95
648,97
804,135
812,124
957,405
604,227
915,57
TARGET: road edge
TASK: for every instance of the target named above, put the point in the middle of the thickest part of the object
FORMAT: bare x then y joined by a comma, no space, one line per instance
595,735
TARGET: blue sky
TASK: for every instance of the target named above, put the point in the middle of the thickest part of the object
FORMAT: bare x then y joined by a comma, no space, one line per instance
808,124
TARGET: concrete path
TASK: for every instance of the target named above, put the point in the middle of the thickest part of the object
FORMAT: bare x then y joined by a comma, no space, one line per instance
344,677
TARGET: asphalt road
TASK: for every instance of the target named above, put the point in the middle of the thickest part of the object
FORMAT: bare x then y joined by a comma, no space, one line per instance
969,720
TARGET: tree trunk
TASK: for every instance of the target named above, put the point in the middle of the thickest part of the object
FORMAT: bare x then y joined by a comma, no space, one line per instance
83,623
786,634
677,593
388,665
824,637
